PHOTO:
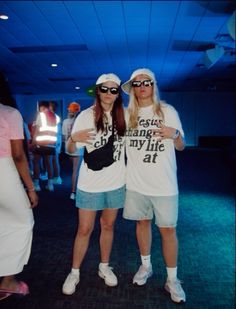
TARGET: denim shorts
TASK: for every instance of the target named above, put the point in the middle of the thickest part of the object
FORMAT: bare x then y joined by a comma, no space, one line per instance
143,207
100,200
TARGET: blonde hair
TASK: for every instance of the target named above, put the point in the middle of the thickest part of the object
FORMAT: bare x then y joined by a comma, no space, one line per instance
133,106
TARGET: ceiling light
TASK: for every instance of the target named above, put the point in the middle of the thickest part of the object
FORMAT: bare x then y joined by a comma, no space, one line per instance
54,65
77,87
2,16
91,90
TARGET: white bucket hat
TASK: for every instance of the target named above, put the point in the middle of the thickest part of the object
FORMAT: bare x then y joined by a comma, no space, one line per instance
127,85
110,77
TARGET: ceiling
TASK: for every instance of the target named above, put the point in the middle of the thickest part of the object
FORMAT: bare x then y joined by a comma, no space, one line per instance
88,38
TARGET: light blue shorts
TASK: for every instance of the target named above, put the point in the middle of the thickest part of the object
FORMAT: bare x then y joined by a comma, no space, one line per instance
102,200
143,207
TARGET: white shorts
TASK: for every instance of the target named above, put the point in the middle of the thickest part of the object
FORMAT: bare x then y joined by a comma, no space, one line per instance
143,207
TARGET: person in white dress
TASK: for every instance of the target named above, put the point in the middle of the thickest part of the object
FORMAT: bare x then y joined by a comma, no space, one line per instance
16,203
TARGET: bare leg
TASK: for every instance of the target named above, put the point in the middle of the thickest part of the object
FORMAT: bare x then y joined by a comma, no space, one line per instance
107,221
48,163
9,283
75,166
169,246
43,168
56,165
36,162
144,236
85,228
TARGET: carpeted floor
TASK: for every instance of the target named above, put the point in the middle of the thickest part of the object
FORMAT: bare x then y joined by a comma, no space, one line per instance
206,232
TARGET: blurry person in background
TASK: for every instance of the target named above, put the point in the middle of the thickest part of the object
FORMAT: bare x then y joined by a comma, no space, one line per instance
55,158
27,146
16,202
44,142
75,158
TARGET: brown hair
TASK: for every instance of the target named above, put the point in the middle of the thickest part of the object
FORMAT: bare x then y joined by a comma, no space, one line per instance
117,114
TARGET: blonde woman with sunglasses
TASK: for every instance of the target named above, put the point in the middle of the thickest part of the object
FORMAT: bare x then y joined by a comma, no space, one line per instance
101,182
154,133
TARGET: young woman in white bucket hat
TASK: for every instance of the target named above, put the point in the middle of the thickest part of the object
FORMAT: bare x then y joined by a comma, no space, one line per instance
154,131
101,183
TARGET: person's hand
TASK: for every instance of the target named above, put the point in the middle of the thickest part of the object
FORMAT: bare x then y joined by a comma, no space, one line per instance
164,132
33,197
84,136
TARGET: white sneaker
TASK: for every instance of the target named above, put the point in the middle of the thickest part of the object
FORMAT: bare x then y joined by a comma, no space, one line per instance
70,283
141,276
36,185
72,196
176,291
50,186
107,274
57,180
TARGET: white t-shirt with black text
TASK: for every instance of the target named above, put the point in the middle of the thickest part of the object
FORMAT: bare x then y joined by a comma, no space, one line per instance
151,163
111,177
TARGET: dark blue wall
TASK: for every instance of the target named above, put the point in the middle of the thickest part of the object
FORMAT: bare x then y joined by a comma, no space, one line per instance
202,114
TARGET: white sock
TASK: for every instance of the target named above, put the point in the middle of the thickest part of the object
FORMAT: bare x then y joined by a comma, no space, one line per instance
171,273
146,260
75,271
103,265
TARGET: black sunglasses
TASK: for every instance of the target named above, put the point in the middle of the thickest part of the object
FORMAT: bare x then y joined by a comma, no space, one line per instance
113,90
138,83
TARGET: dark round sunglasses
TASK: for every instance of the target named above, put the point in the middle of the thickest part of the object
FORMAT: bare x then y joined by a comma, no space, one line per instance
113,90
139,83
